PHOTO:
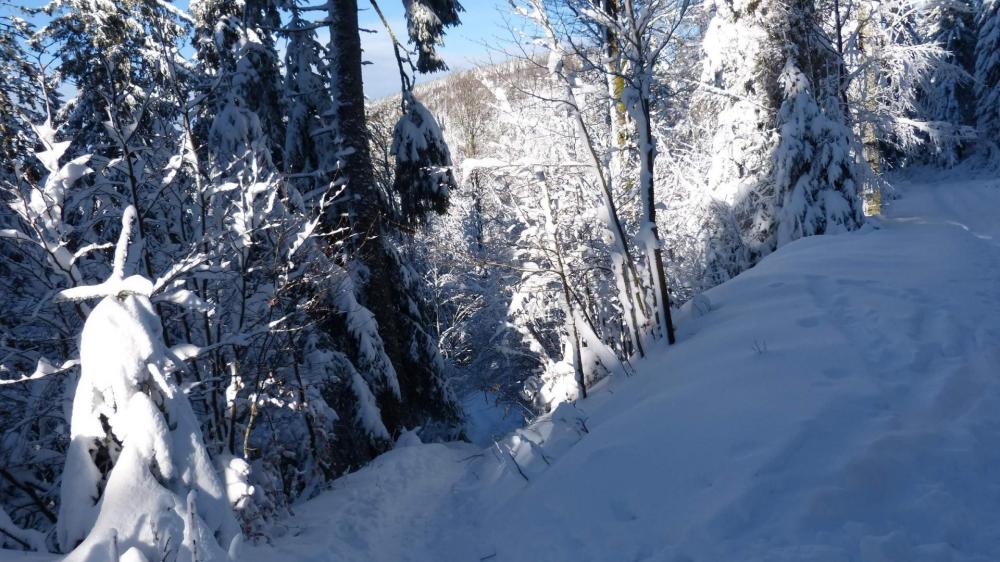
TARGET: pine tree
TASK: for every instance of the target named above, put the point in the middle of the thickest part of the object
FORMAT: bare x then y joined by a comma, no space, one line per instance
786,161
948,98
742,97
387,284
988,73
29,413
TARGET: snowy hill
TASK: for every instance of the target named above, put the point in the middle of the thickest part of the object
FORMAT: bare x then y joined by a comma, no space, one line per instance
839,402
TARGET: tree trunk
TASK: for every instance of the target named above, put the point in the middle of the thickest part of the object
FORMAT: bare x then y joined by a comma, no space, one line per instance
654,252
386,292
572,329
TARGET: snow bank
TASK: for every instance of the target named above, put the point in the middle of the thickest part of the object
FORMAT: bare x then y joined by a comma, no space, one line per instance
839,402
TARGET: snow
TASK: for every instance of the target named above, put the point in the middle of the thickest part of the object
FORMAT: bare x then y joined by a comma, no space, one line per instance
838,402
162,458
833,403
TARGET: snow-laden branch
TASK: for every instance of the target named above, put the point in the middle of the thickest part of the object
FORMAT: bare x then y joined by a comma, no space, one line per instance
42,370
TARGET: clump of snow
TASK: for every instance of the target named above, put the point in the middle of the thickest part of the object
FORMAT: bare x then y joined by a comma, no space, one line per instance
409,438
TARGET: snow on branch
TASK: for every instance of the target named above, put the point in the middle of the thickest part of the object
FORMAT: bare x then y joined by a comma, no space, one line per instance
43,369
117,284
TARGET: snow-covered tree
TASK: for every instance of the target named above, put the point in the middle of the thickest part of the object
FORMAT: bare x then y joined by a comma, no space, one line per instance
239,65
630,285
642,31
816,177
387,285
425,23
423,178
785,162
886,64
310,149
740,81
104,48
988,73
138,476
24,95
947,100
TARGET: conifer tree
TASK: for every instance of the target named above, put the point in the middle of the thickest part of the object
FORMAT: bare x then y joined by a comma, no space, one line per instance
235,46
947,99
387,284
425,22
23,97
138,476
785,159
102,47
988,73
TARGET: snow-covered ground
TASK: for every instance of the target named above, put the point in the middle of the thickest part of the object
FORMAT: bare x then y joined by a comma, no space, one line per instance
839,402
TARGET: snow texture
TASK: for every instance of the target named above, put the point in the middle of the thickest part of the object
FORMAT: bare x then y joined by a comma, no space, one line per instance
858,422
129,412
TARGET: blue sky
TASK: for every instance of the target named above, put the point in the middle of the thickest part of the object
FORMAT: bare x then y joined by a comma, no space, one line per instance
465,45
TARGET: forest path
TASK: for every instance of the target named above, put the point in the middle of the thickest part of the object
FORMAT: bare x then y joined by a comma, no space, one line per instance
839,402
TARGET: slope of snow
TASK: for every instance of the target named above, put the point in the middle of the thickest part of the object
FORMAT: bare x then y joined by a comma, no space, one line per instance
839,402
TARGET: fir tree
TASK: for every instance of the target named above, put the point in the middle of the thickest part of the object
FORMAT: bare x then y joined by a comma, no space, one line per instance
816,176
387,285
425,22
423,177
988,74
948,97
786,158
103,48
235,47
23,98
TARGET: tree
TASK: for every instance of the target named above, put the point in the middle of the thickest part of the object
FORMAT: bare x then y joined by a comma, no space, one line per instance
102,49
542,202
886,63
988,73
425,23
785,159
948,99
816,175
239,65
423,177
387,285
23,98
138,476
632,296
642,32
740,89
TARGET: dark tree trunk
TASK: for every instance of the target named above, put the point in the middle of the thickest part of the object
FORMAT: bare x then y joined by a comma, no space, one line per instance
387,291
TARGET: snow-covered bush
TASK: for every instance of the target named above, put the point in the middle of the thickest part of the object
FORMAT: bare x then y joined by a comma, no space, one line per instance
138,476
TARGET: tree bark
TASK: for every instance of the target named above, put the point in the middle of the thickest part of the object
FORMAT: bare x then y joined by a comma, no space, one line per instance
386,292
658,276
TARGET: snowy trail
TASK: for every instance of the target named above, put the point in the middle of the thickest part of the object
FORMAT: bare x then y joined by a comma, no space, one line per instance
839,402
